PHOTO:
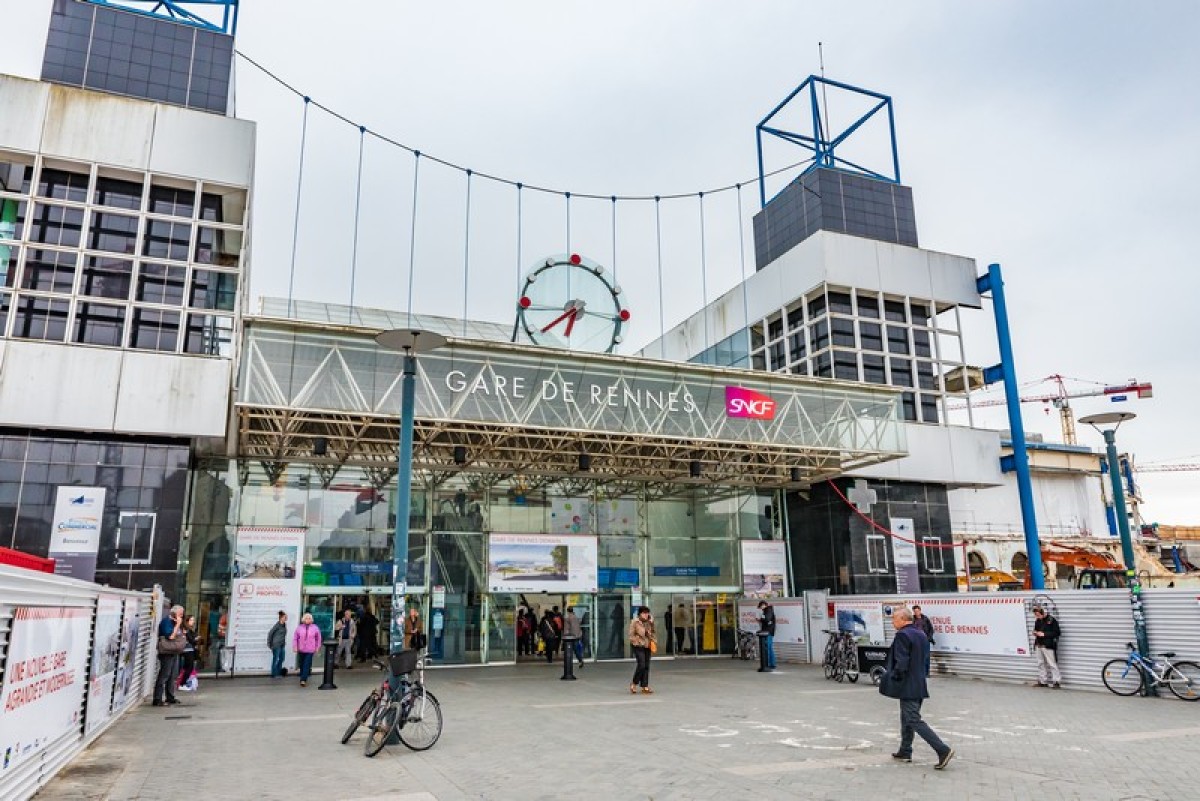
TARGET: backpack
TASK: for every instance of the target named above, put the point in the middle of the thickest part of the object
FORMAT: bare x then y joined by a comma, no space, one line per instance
546,629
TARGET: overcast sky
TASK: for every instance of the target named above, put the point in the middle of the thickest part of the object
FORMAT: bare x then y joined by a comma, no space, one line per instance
1061,140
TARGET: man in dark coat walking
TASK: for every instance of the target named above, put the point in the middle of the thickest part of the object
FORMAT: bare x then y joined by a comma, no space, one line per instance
904,680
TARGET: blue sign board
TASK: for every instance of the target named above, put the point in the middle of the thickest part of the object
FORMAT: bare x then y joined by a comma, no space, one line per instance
687,571
609,578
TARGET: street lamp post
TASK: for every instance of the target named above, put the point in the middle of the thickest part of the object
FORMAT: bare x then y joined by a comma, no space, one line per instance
1114,473
409,342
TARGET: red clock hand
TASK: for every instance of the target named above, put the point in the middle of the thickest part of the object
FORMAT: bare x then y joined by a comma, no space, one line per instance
568,313
571,322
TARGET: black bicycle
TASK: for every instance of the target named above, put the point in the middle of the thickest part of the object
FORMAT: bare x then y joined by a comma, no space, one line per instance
747,645
841,656
401,705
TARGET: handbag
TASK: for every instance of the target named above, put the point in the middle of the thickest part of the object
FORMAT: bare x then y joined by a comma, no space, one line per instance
169,647
653,647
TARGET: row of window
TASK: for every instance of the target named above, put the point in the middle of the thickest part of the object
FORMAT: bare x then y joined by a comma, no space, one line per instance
862,304
840,332
879,550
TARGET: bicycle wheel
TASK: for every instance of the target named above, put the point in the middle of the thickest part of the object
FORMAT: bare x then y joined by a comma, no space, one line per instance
876,675
1184,680
382,724
852,666
361,716
1121,677
422,726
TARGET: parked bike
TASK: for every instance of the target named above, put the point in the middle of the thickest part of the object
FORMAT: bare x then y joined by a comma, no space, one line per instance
1137,673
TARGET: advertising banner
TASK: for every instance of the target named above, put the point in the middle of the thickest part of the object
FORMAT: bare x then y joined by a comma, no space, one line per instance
864,619
267,575
542,563
764,569
106,653
992,625
75,531
125,693
45,675
908,576
789,620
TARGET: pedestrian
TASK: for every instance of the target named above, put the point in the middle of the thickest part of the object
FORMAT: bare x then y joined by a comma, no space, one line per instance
684,630
171,642
368,624
643,643
926,625
1046,632
522,633
187,660
766,625
344,631
904,680
672,644
277,642
414,629
549,634
573,630
306,641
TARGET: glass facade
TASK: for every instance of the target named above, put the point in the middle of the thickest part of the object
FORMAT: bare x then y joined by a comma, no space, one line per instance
96,256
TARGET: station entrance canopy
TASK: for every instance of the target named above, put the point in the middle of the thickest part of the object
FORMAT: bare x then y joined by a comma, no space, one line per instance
327,395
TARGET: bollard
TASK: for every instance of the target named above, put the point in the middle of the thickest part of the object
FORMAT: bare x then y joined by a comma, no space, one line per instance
568,646
330,658
762,651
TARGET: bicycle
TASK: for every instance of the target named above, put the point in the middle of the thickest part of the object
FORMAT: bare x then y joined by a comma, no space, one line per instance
1137,673
747,645
841,656
400,705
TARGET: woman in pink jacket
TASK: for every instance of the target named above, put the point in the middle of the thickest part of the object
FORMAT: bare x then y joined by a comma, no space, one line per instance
306,641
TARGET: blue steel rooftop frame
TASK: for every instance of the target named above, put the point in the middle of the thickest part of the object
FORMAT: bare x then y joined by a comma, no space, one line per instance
188,12
823,143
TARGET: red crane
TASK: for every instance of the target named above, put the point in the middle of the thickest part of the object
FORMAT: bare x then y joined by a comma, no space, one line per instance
1060,399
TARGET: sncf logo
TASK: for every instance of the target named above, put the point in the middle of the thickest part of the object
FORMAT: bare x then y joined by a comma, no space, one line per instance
741,402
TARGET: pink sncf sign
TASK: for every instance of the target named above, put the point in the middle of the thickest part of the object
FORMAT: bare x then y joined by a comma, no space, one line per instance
741,402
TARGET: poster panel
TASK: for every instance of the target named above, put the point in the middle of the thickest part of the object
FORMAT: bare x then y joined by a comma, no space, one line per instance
789,620
904,555
992,625
106,653
542,563
764,569
75,531
864,619
124,693
266,580
45,676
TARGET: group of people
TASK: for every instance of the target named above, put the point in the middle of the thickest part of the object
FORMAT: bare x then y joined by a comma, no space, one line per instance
354,633
177,648
550,632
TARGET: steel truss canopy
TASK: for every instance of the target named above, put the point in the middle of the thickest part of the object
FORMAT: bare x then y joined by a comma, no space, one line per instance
327,395
219,16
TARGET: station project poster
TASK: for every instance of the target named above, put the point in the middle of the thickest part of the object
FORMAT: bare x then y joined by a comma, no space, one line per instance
45,675
764,569
267,566
542,563
993,625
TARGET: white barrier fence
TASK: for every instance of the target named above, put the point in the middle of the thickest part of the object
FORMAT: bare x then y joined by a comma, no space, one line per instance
993,632
74,657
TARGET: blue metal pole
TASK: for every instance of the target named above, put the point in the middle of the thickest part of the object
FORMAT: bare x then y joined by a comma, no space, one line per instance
762,180
993,281
1131,576
403,500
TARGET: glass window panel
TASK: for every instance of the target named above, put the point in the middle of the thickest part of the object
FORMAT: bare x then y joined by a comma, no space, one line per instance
823,366
800,367
118,194
873,372
116,233
63,185
12,218
41,318
843,332
897,337
839,303
56,225
5,308
512,509
845,365
775,329
172,201
797,344
894,310
929,408
925,377
758,361
902,375
756,338
816,306
16,173
920,313
871,336
778,355
49,271
209,335
820,335
214,290
105,277
99,324
154,330
921,342
166,240
8,265
229,206
795,318
908,406
868,306
161,283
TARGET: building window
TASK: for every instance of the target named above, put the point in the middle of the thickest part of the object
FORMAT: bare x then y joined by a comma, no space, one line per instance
166,239
840,303
50,271
778,356
172,202
15,176
105,277
154,330
775,329
868,306
135,538
118,194
795,318
921,342
758,361
894,310
211,208
975,563
902,373
920,313
820,335
1020,565
932,552
823,366
929,408
873,372
877,554
843,332
897,339
925,376
115,233
871,336
800,367
816,307
908,406
56,225
8,265
161,283
222,248
99,324
796,343
63,185
12,216
209,335
41,318
845,365
214,290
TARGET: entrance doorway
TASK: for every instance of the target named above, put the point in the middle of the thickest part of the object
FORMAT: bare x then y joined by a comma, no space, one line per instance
700,624
526,637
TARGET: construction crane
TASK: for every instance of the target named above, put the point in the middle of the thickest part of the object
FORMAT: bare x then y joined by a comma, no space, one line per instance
1061,399
1165,468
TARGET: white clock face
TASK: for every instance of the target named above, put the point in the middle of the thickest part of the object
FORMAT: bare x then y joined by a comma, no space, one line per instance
568,302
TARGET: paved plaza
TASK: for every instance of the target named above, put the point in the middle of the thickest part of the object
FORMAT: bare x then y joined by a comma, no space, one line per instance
714,729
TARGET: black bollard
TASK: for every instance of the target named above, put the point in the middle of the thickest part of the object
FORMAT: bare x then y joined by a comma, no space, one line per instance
762,651
568,646
330,658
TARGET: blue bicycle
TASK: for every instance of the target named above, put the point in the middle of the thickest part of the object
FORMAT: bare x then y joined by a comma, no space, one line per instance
1136,674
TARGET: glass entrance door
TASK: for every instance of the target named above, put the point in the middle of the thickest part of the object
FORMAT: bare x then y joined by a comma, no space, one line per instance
700,624
610,623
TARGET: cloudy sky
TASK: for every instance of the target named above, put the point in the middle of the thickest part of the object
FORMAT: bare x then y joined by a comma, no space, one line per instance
1058,139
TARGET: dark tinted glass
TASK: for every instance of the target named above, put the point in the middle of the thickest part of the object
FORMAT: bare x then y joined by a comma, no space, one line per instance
63,185
99,324
118,194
